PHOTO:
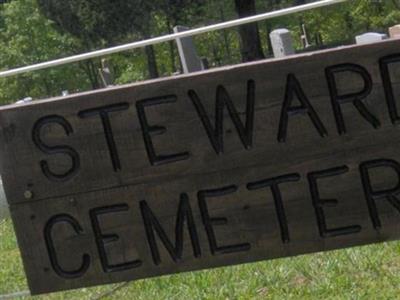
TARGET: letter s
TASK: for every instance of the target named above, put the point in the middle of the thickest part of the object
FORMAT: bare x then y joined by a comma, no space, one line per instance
58,149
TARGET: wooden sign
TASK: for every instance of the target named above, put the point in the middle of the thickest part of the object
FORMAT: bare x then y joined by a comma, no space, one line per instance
245,163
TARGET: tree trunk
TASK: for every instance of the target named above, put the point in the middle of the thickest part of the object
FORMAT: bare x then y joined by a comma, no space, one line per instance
172,56
150,53
269,30
47,87
250,38
91,72
151,62
228,53
319,40
171,47
89,65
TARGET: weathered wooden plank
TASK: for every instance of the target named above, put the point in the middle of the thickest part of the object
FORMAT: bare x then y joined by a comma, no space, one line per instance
252,221
80,169
185,132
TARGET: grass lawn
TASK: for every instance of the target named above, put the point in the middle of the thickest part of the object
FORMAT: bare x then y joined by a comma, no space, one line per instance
370,272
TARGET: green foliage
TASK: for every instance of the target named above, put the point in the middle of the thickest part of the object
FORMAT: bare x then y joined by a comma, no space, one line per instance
26,37
76,26
340,24
179,12
96,21
105,23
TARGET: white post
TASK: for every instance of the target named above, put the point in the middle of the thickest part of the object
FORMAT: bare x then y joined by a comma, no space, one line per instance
304,37
106,74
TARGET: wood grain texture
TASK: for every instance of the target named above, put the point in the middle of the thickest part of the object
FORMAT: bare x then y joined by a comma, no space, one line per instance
106,207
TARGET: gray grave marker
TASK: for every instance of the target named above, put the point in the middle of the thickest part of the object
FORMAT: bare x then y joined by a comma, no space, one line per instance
282,44
187,52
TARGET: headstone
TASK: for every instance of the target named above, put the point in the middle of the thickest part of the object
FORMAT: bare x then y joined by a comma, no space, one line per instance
65,93
25,100
106,74
394,32
188,53
370,37
282,43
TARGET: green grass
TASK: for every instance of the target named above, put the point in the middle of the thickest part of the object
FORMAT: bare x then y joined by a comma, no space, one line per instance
370,272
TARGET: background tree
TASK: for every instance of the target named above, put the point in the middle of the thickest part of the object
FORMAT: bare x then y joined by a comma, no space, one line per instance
27,37
104,23
178,12
250,46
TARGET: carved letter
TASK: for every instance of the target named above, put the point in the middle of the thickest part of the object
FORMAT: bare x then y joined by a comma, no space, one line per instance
388,87
102,239
104,113
274,183
52,251
59,149
319,203
152,225
210,222
373,195
355,98
223,99
293,88
149,131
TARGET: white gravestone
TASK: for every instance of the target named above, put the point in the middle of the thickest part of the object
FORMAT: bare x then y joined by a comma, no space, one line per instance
282,43
370,37
25,100
394,31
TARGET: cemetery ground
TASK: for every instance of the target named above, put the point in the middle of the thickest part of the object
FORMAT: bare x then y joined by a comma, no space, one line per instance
369,272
